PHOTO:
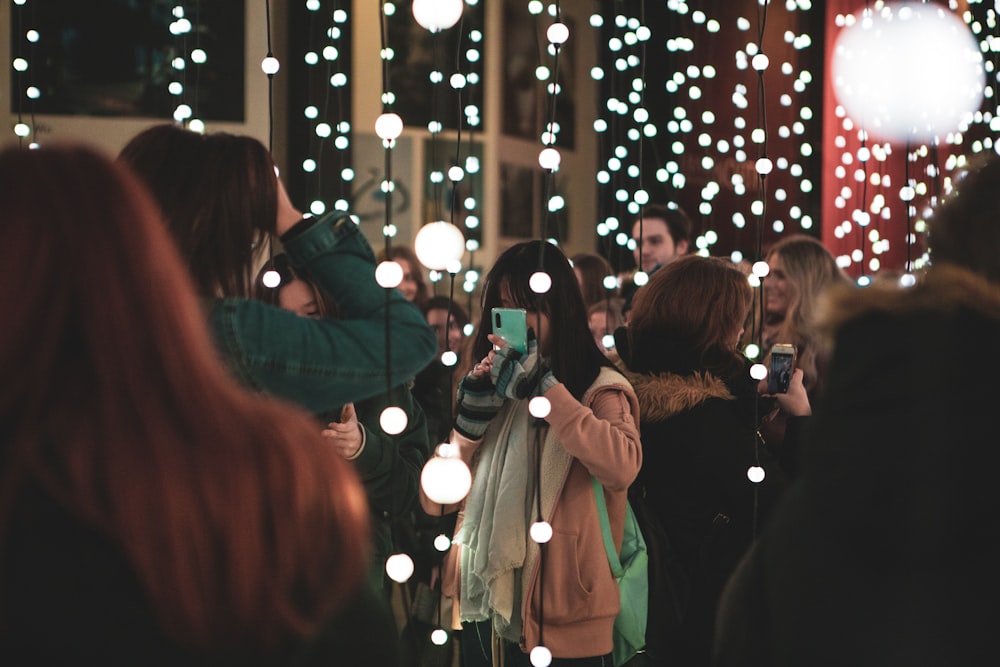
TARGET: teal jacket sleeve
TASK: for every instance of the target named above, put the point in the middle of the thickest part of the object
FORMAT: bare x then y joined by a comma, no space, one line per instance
322,364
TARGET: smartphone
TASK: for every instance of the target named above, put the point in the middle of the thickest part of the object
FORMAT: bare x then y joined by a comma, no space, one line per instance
511,324
779,374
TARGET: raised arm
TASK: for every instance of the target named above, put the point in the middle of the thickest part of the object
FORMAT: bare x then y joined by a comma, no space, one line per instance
322,364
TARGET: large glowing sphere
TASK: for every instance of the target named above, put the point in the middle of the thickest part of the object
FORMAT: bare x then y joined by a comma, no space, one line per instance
437,15
439,244
908,71
399,567
445,480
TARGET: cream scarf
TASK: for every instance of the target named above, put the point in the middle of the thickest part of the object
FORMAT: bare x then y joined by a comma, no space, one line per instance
493,534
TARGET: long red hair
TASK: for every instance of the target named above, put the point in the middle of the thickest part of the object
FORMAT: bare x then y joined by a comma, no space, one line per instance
240,523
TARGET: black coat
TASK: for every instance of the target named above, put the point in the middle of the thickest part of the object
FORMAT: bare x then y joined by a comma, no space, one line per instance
698,440
885,550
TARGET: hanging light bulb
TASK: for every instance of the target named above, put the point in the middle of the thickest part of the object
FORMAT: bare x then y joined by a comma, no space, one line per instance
540,282
271,279
539,407
549,159
388,126
557,33
270,65
388,274
399,567
437,15
439,244
540,657
393,420
885,74
541,531
445,479
439,637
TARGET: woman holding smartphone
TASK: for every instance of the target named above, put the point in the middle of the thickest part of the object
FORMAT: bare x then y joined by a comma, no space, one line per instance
700,451
527,469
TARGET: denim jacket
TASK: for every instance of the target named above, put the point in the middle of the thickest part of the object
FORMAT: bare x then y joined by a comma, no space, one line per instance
322,364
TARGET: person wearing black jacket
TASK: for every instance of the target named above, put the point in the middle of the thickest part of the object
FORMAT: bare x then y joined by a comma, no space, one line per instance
884,551
699,413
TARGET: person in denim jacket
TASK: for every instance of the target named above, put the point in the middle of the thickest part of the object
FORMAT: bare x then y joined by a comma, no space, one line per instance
222,201
389,464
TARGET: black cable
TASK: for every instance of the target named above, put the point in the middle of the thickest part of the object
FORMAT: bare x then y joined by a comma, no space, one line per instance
270,80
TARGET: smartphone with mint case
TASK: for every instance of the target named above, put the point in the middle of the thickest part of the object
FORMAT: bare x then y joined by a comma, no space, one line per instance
511,324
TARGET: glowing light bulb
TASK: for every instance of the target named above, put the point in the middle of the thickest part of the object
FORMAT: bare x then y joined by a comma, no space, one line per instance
540,657
449,358
271,279
758,371
270,65
760,62
445,480
439,637
439,244
388,126
541,531
437,15
442,542
393,420
752,351
764,166
549,158
755,474
761,268
640,278
389,274
399,567
539,407
557,33
540,282
885,75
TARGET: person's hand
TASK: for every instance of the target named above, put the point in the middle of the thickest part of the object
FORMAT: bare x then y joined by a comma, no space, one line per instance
516,375
477,402
345,435
795,401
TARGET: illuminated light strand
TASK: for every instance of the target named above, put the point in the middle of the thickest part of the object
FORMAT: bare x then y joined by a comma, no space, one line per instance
926,171
324,135
180,27
22,64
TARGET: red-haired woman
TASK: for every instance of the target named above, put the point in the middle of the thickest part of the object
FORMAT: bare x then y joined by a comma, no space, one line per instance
153,511
698,407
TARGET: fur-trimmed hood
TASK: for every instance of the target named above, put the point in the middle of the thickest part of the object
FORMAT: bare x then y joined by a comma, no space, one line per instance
664,395
943,289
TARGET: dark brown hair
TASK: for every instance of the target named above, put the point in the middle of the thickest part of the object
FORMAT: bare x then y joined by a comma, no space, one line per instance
241,524
593,269
695,305
575,360
678,223
219,195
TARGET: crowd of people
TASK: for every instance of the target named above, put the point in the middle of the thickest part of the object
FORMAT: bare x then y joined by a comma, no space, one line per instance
197,468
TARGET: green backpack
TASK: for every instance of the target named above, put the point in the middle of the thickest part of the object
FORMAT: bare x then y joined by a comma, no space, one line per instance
630,570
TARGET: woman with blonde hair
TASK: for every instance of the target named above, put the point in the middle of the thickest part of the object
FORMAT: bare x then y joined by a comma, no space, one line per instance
801,270
152,510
